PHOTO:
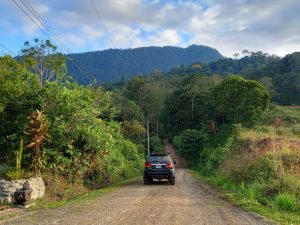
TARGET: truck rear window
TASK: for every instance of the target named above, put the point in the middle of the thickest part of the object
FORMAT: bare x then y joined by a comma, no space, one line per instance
159,159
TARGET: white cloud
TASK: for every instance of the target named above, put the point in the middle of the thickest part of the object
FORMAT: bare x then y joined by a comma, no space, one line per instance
230,26
165,37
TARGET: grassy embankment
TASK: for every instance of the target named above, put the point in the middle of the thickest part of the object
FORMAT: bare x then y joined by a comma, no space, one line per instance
260,169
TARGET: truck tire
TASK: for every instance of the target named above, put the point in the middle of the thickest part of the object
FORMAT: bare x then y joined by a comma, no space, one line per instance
172,181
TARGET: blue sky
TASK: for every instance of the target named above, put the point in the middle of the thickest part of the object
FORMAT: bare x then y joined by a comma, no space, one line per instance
230,26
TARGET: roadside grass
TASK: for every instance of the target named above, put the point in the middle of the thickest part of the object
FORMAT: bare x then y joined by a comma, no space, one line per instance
43,204
279,122
283,208
261,132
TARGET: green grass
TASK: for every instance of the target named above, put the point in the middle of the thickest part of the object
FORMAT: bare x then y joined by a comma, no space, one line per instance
286,202
42,204
283,209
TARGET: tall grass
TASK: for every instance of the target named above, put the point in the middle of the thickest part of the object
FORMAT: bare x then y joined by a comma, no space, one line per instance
279,122
281,207
261,132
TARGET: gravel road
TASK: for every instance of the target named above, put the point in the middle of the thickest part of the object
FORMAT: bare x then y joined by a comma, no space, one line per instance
186,203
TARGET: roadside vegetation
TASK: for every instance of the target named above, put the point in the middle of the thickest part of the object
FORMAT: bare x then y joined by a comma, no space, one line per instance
257,166
77,138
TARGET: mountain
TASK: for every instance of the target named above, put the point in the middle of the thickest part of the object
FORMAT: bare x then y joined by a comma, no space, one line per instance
117,64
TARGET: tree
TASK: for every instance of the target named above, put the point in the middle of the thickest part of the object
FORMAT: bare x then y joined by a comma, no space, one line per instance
191,105
241,101
199,86
149,96
44,61
267,82
15,80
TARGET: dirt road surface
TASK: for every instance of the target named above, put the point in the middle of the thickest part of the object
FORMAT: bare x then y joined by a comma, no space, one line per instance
188,202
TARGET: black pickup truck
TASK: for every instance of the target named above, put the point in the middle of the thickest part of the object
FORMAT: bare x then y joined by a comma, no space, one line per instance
159,166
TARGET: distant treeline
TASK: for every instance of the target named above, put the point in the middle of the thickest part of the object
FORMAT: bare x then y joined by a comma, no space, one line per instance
281,76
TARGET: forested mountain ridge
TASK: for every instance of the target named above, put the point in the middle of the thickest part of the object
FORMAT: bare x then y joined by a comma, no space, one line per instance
116,64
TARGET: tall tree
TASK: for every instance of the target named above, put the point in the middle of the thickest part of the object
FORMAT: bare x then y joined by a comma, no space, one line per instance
43,60
149,96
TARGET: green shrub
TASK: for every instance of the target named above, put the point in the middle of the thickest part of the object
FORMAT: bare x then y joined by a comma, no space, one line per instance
286,202
264,169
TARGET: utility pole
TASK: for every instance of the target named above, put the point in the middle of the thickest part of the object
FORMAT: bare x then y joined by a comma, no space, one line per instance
157,129
148,137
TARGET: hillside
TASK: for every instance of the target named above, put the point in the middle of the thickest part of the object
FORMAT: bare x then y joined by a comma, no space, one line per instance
281,76
116,64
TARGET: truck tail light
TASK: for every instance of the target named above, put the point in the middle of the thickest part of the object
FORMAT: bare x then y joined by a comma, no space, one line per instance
170,165
148,165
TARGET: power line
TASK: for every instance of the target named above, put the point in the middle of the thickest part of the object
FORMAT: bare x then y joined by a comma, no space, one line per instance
42,21
101,21
7,49
48,28
57,38
106,31
31,18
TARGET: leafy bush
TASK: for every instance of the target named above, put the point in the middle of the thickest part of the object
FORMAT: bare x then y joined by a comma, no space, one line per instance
82,146
19,96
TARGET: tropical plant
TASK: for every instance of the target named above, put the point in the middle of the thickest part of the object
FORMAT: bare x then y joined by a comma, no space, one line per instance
37,131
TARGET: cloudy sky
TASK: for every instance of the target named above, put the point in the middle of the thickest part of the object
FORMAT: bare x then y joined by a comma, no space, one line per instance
230,26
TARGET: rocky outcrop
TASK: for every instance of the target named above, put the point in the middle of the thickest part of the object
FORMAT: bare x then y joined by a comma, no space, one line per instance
8,188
